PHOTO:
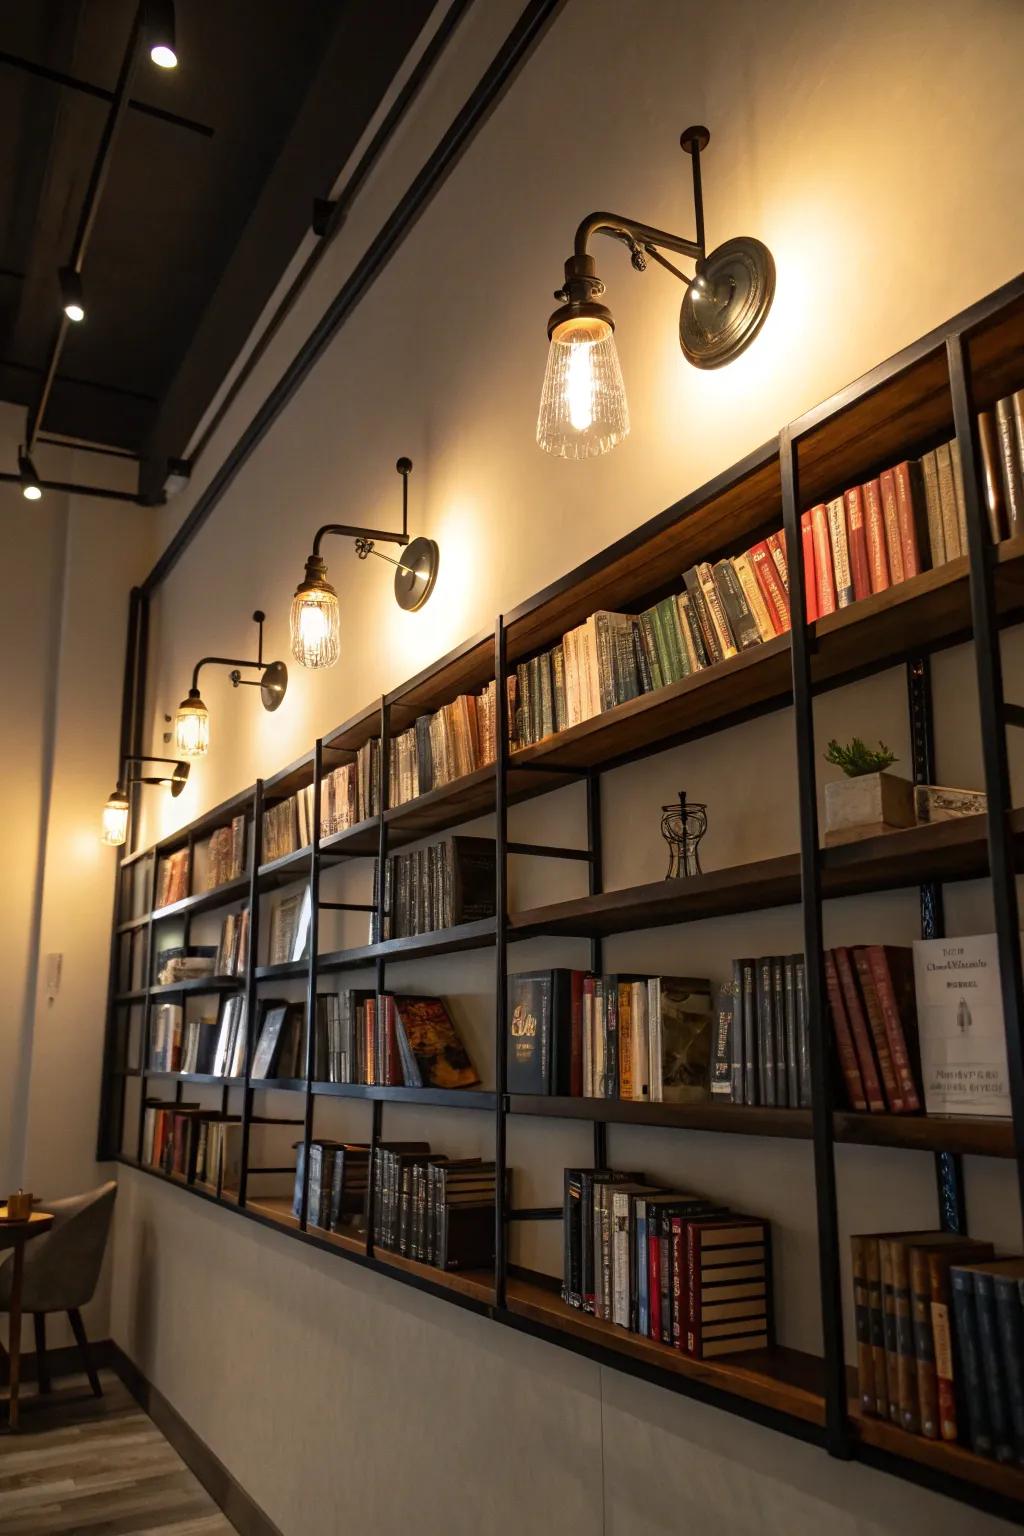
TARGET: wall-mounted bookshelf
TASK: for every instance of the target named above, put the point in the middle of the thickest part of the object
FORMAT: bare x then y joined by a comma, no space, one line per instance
925,395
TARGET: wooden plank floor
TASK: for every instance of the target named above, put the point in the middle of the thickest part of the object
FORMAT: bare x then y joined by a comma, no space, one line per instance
98,1467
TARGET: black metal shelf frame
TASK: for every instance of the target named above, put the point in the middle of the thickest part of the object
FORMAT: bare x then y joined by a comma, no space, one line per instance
838,1433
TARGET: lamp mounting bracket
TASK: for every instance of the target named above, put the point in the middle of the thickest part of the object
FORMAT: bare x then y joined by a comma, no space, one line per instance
273,679
727,299
366,536
177,778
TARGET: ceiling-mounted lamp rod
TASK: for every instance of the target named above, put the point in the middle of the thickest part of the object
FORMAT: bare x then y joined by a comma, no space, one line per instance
87,217
67,488
73,83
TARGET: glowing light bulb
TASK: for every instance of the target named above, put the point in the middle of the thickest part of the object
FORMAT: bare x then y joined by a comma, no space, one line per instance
115,820
315,619
165,57
192,726
583,406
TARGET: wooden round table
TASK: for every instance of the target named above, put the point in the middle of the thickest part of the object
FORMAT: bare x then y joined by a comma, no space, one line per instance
15,1234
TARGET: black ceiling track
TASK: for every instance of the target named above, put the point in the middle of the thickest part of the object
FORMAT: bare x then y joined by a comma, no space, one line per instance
504,67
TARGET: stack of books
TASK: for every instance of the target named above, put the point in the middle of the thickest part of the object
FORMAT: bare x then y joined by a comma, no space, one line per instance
442,747
233,946
436,887
173,878
646,1038
338,1183
677,1268
940,1338
393,1040
185,962
435,1209
724,608
222,855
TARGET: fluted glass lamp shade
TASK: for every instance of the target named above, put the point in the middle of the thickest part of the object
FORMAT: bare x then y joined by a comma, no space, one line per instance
583,406
115,820
192,727
315,618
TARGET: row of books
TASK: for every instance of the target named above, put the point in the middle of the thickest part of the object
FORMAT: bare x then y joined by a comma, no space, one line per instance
198,1044
613,657
232,950
609,1037
761,1050
456,740
221,856
338,1183
879,534
940,1338
291,924
678,1268
348,794
433,1208
439,886
201,1146
1001,440
173,878
406,1041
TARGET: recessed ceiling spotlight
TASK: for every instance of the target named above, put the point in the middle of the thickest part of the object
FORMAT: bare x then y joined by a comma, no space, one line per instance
30,487
160,33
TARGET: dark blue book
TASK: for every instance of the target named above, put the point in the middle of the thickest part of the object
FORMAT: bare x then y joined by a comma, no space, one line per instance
969,1368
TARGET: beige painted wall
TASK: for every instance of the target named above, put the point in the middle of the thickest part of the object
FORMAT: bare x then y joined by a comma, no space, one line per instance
67,567
342,1398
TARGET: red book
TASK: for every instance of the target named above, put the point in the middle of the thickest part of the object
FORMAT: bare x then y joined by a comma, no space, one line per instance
860,1032
653,1283
777,544
823,560
912,514
844,1038
576,1039
891,522
874,536
810,571
775,594
857,541
876,1020
892,972
678,1250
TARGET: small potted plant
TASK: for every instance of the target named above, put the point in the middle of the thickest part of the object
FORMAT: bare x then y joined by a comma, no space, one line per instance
868,799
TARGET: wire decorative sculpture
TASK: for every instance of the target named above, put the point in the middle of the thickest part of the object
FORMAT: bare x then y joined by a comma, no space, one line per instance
682,827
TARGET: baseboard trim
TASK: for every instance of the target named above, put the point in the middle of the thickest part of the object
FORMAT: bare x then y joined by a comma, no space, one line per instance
225,1491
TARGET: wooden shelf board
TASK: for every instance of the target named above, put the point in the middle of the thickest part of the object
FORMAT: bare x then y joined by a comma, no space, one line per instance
785,1380
217,816
198,984
220,896
945,850
441,1098
466,669
136,995
441,941
940,1455
286,870
477,1284
278,1209
281,971
357,841
976,1135
133,922
196,1077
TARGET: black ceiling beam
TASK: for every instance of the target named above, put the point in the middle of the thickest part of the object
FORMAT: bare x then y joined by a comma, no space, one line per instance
513,53
74,447
73,83
79,383
6,478
90,205
335,214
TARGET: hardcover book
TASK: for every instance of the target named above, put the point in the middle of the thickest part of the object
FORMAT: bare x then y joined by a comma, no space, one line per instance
960,1024
434,1044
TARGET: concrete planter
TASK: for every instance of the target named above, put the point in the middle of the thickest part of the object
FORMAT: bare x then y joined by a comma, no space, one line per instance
866,806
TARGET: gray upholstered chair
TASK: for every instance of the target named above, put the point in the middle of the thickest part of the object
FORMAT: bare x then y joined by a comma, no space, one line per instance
61,1271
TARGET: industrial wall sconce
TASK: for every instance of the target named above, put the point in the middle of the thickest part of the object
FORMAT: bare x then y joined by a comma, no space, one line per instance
583,408
115,813
315,617
30,487
192,721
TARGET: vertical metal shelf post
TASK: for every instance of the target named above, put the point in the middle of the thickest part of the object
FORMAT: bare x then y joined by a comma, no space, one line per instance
837,1439
595,884
249,1017
982,556
500,962
949,1179
311,977
384,794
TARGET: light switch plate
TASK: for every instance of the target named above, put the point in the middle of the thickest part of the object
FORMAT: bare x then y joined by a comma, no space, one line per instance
52,968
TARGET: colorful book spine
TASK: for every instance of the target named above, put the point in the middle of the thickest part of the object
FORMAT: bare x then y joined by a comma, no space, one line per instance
853,501
840,552
810,568
874,536
826,589
891,521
